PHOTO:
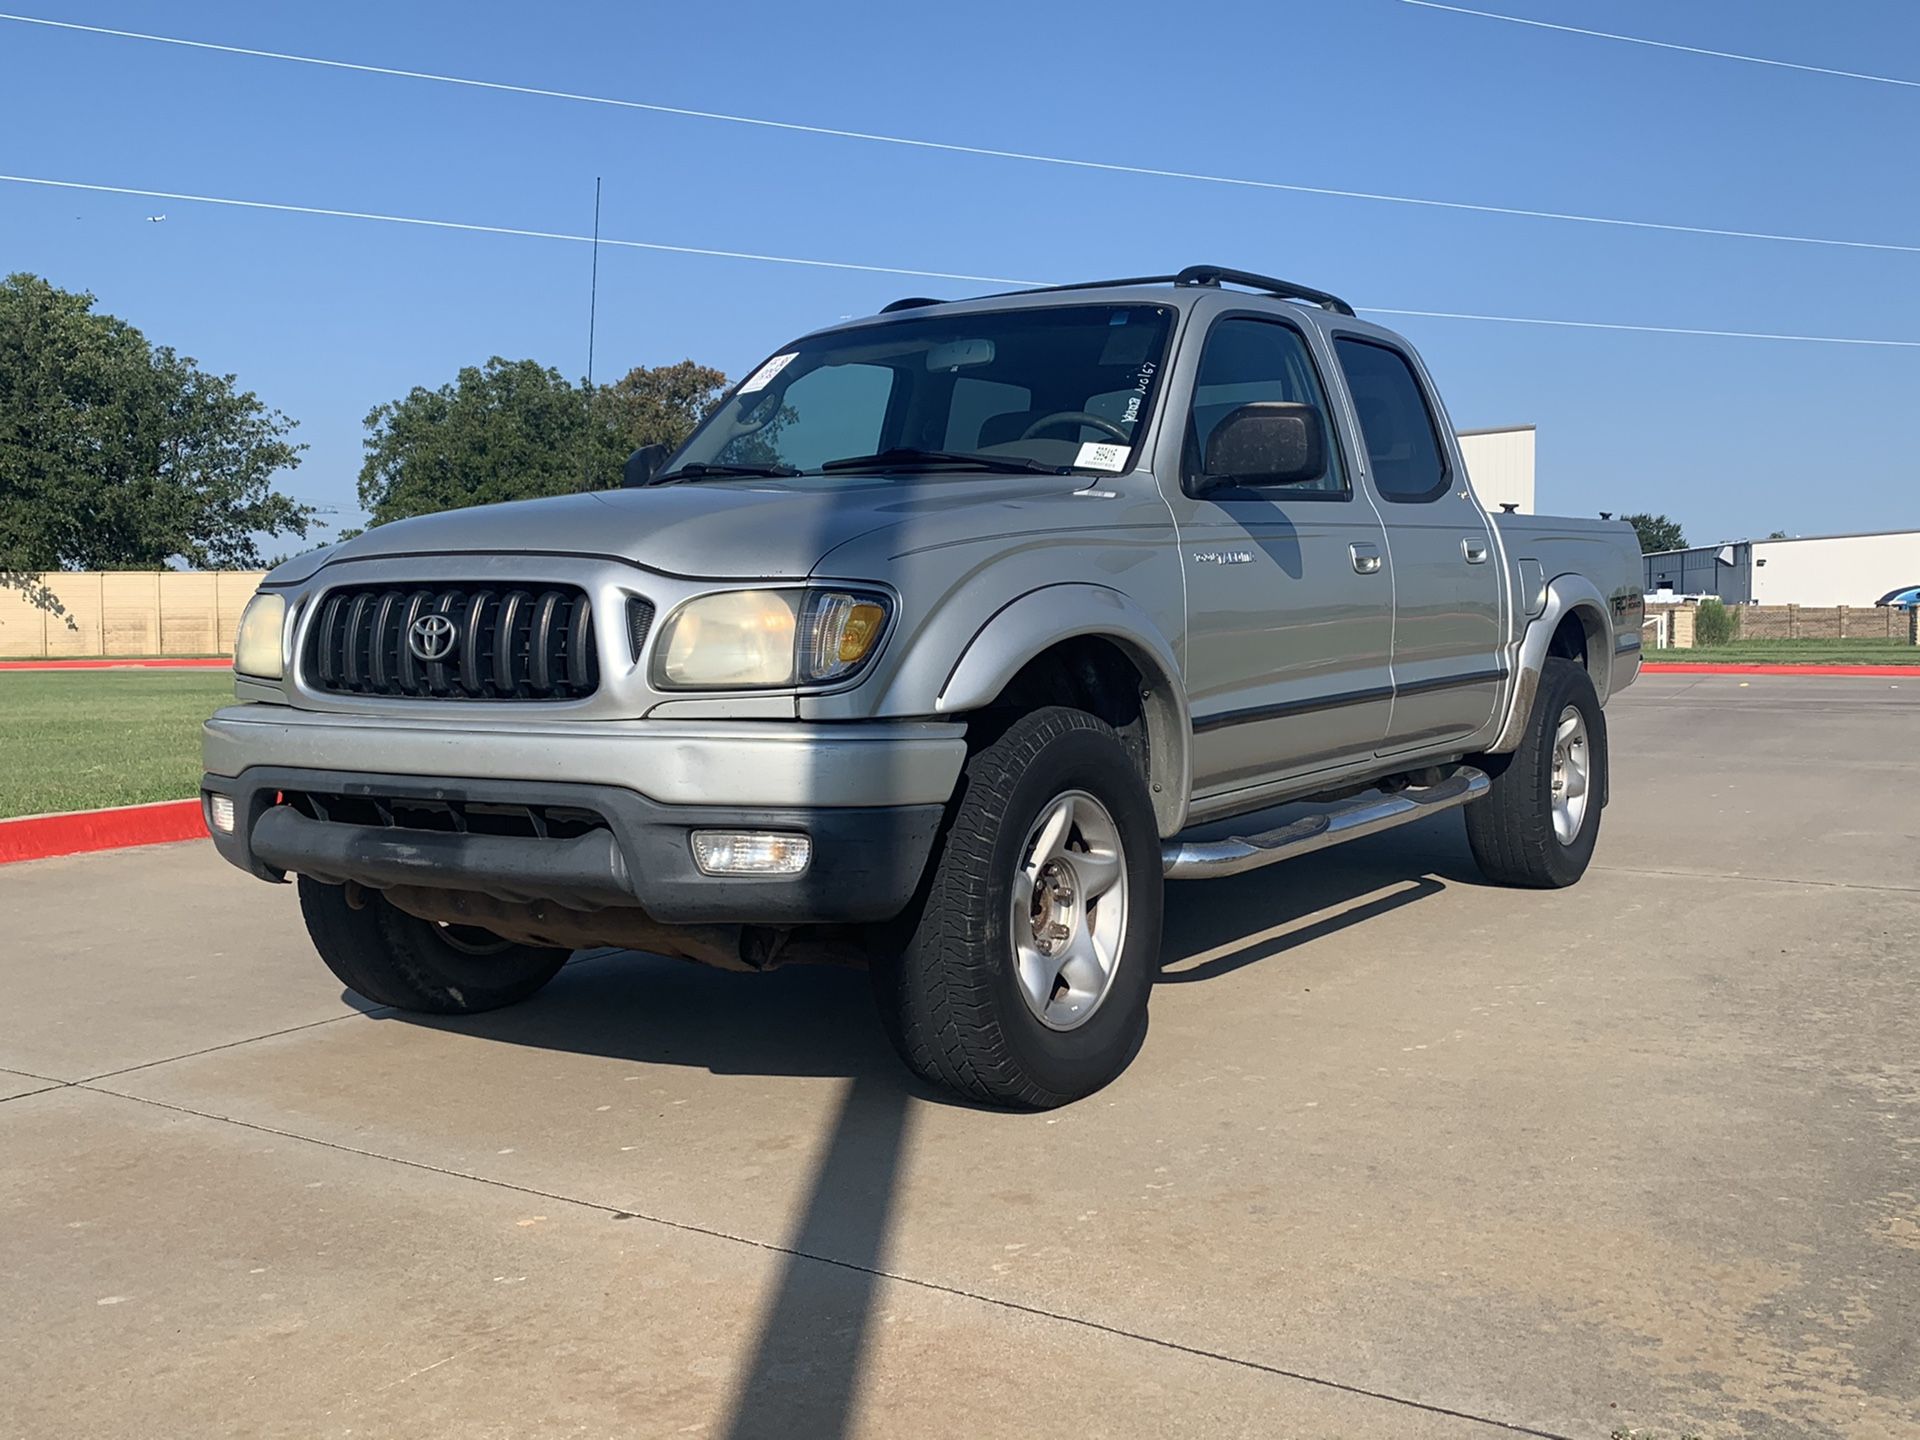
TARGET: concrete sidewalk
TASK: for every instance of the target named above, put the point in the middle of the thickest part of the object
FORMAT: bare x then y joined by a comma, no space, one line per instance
1404,1154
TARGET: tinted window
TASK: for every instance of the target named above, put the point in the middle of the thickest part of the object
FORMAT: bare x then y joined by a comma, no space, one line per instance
822,415
1253,360
986,412
1402,445
1062,386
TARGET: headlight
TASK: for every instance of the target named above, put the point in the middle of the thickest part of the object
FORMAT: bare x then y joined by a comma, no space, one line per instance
258,648
767,639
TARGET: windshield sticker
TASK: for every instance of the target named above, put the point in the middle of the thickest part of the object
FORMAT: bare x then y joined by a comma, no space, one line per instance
762,377
1102,455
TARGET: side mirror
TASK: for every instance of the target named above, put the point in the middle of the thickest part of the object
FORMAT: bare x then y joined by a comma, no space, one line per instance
1270,442
642,465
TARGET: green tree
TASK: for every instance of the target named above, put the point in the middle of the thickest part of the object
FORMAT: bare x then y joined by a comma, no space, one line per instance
516,430
116,454
654,407
1657,532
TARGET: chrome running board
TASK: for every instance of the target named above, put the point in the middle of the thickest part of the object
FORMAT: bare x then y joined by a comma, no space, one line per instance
1203,859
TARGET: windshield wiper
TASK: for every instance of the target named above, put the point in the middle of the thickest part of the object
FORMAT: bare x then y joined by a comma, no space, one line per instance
700,470
902,456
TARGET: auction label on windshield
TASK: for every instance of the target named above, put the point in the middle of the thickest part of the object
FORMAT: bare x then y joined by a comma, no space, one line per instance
762,377
1102,455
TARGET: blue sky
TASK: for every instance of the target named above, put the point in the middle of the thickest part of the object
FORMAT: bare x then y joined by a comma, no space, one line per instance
326,318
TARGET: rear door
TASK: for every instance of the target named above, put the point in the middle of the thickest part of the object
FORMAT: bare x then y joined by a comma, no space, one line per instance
1289,601
1447,662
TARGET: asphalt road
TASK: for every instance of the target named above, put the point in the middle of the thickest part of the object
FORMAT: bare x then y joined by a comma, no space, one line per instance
1404,1154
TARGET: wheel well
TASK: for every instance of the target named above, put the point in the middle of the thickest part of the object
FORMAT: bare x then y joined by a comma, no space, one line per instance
1087,672
1579,637
1570,640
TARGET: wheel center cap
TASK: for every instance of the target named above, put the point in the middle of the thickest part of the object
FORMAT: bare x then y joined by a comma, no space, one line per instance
1053,911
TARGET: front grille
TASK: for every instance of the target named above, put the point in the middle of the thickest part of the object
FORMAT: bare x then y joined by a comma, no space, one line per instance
458,817
505,643
639,621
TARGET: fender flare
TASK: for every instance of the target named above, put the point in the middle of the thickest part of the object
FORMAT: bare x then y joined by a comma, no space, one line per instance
1040,619
1568,594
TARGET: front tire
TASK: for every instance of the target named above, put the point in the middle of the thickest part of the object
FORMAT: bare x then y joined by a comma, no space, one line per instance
1026,978
397,959
1537,827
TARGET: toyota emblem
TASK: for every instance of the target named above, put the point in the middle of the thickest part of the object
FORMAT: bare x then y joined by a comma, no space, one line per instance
432,637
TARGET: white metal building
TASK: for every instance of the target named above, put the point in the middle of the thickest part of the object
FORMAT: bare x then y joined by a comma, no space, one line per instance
1835,569
1817,570
1500,465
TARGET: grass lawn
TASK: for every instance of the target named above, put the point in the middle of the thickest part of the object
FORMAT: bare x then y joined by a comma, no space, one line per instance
83,739
1792,652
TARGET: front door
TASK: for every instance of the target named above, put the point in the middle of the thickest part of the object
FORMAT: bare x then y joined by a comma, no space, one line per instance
1447,660
1289,597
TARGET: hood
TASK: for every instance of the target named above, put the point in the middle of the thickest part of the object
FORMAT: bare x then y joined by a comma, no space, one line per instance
710,529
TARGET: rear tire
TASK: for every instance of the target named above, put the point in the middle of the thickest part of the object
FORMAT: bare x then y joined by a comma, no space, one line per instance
1538,825
1026,977
398,959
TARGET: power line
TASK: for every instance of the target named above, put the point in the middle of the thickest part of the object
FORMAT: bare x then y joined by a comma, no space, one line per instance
659,246
1643,329
1666,44
506,230
952,147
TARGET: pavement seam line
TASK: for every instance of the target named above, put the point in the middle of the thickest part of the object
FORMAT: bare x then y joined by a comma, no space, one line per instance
373,1012
44,1089
1756,879
231,1044
789,1252
34,1075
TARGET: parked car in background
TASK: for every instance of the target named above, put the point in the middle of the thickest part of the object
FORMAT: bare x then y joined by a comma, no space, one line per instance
935,649
1904,599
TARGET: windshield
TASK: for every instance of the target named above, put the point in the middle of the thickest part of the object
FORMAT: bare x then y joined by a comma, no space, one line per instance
1051,390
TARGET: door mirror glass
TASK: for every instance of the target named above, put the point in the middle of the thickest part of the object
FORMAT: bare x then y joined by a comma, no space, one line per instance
642,465
1270,442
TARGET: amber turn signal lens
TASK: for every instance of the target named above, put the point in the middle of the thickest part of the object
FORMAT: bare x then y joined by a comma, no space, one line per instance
840,633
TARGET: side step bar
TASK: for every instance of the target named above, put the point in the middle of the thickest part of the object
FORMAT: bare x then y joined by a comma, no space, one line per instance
1203,859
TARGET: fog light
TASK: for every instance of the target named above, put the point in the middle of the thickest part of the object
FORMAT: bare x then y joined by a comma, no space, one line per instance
750,852
220,812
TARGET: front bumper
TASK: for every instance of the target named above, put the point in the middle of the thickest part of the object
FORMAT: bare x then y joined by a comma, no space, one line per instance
676,762
588,814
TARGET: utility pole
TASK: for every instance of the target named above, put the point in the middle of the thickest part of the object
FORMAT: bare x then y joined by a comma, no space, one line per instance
593,311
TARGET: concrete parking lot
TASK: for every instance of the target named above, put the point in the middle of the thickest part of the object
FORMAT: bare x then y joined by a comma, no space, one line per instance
1404,1154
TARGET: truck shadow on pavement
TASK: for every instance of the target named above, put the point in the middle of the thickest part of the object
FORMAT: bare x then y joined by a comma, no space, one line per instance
802,1365
1216,927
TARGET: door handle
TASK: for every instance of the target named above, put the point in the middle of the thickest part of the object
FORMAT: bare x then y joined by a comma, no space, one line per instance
1474,547
1366,558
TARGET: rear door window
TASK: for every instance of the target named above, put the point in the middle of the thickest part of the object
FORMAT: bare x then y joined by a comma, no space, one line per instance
1403,443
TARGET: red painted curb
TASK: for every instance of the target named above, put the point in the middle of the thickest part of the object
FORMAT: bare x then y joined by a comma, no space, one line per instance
40,837
216,663
1666,667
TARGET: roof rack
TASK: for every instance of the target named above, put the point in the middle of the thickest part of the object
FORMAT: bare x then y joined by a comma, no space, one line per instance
1217,275
1212,276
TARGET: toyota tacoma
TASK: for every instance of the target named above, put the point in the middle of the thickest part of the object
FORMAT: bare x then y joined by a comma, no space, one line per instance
947,639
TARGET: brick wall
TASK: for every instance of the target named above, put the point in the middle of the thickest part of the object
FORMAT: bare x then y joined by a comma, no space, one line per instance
1798,622
1838,622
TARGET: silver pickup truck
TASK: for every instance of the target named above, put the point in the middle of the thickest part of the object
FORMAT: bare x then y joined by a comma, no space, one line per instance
943,642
